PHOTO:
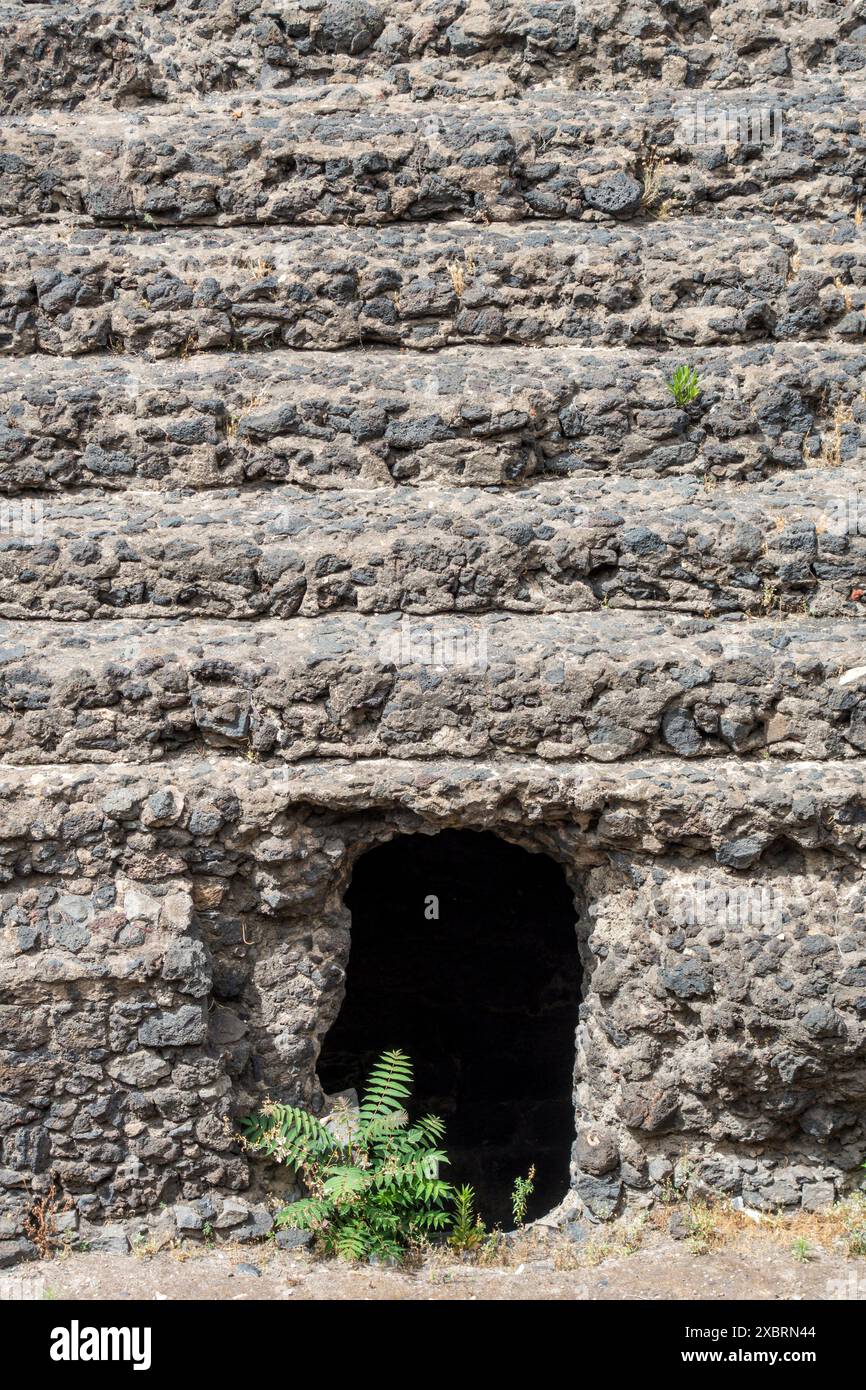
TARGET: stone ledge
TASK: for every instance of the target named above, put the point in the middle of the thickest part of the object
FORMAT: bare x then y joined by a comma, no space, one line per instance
329,421
688,282
605,687
61,56
348,157
780,547
735,809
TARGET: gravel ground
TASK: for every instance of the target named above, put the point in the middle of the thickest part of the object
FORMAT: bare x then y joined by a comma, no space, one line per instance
661,1269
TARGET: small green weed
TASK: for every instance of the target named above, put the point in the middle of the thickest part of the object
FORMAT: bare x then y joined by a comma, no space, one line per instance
684,386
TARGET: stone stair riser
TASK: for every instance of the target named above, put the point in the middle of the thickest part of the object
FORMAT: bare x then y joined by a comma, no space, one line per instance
339,421
602,690
673,283
566,158
547,549
59,56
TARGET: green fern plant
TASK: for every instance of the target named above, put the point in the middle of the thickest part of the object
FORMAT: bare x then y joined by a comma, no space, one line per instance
468,1230
372,1179
684,386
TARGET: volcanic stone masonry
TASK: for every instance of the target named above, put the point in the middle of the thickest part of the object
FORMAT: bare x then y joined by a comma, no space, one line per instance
343,497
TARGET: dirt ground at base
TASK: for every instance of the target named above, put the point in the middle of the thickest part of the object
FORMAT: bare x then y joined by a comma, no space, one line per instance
662,1269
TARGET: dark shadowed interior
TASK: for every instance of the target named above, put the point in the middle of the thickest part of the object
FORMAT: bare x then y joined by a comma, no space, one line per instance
484,999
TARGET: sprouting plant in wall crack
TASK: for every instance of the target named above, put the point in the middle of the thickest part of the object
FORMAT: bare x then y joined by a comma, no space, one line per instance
684,385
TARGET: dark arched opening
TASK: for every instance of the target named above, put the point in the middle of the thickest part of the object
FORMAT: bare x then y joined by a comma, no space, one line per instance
464,954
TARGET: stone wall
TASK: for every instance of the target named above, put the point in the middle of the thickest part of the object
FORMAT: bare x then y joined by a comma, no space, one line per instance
342,495
172,954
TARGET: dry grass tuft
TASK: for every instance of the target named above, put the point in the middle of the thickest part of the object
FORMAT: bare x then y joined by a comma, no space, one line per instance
651,176
713,1223
462,273
40,1224
831,447
232,422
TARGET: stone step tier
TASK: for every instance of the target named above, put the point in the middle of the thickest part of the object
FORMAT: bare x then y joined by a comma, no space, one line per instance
461,417
687,282
349,157
604,687
48,814
135,54
787,545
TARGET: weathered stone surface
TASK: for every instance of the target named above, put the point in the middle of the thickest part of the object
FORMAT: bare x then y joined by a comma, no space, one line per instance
595,1151
328,421
139,1069
347,157
345,496
16,1251
128,54
571,547
293,1240
174,1029
109,1240
604,686
71,290
600,1196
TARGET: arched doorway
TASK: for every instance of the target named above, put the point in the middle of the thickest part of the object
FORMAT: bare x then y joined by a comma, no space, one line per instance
464,954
